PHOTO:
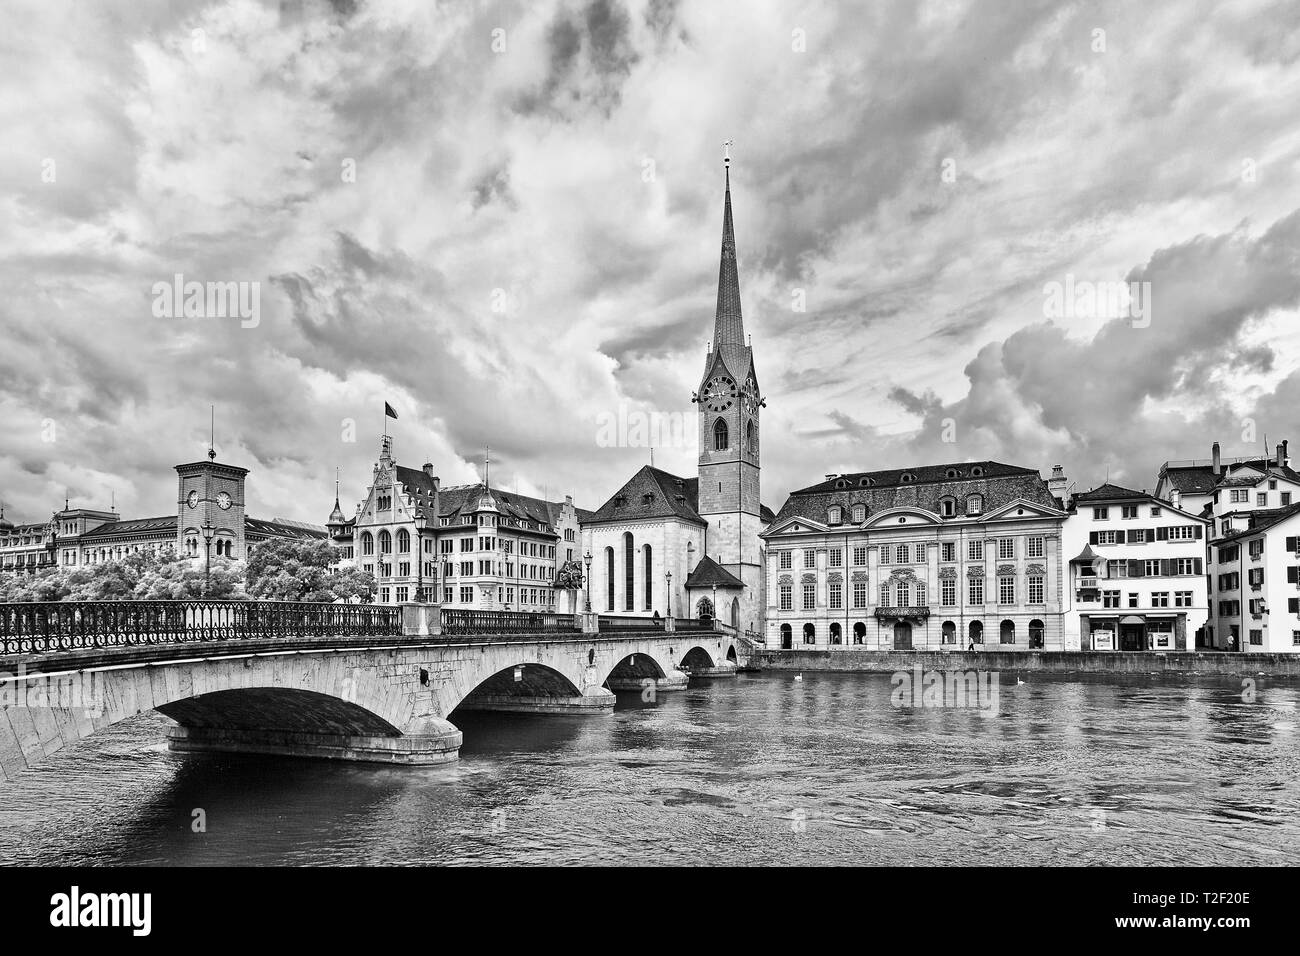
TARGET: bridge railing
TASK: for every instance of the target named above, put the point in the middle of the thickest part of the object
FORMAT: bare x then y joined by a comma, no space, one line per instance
39,627
460,621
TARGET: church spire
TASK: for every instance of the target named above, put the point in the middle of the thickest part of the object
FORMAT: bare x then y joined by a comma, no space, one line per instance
728,325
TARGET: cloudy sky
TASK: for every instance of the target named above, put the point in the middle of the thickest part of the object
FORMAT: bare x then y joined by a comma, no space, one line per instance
504,220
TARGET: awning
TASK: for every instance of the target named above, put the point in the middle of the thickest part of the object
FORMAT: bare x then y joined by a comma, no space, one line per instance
1132,619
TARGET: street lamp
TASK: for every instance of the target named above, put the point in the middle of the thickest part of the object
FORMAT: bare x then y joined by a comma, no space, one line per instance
586,582
669,578
209,532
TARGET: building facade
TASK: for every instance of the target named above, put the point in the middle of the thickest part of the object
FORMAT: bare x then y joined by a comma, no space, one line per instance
1255,577
940,556
1136,573
468,546
693,547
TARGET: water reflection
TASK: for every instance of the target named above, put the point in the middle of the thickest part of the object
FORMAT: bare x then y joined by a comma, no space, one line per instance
759,769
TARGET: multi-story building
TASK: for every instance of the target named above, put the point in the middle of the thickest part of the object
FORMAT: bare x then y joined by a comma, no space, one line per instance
929,557
1136,567
1228,489
466,546
1255,580
209,520
693,547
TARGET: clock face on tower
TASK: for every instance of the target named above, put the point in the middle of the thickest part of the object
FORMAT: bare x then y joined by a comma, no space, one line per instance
223,500
193,499
749,403
719,394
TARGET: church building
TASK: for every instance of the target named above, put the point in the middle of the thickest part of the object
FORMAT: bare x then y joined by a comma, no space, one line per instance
690,547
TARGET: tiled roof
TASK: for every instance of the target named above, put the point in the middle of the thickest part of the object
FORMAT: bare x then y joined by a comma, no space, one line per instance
1110,492
652,493
279,528
461,500
1201,480
1260,520
113,529
708,573
1000,484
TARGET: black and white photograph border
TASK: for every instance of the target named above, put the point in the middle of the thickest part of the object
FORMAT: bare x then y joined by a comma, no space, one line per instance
649,433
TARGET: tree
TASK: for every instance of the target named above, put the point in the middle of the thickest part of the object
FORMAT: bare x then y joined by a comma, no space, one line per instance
285,570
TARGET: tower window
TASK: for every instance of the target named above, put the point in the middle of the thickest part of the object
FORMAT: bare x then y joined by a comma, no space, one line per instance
720,435
751,438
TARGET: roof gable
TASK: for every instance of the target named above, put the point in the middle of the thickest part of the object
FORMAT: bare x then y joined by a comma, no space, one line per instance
652,493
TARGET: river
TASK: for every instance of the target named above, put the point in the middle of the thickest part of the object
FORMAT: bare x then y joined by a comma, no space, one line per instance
757,769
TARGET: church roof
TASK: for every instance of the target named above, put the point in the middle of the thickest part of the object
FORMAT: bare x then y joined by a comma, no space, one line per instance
708,573
729,346
652,493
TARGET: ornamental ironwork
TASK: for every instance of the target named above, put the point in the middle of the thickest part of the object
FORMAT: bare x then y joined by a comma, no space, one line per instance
902,613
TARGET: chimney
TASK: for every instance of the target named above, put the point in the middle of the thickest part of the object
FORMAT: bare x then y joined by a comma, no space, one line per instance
1218,468
829,477
1176,498
1283,460
1057,484
428,468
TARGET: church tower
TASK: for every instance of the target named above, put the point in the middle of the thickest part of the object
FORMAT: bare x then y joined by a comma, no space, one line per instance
729,403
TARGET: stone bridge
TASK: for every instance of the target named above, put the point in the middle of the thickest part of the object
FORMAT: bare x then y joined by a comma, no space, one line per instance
365,697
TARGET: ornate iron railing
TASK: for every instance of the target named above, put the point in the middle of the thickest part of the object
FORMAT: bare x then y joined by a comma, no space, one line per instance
918,613
40,627
613,622
460,621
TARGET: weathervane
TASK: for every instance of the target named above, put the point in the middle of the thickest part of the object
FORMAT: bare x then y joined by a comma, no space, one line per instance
726,152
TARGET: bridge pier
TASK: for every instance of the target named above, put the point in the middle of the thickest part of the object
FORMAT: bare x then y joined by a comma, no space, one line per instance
675,680
437,742
723,669
593,700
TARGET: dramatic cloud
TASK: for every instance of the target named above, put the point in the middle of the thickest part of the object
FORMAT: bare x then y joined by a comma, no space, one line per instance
504,220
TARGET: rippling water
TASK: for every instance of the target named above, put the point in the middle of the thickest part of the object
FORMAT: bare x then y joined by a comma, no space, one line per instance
752,770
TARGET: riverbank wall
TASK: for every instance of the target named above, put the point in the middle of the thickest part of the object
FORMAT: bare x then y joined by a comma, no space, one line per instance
1064,662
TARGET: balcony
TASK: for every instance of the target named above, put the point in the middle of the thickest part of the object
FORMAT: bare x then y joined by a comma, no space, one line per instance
911,613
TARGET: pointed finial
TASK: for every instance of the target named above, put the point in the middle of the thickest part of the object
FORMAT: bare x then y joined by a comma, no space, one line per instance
726,153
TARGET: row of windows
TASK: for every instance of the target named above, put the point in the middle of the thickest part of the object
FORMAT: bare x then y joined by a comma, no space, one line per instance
948,633
1158,599
914,594
536,597
947,509
484,543
917,553
629,575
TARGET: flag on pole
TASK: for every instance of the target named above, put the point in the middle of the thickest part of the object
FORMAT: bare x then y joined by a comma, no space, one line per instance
388,411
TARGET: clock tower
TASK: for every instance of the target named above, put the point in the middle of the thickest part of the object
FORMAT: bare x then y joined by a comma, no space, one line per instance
210,493
729,403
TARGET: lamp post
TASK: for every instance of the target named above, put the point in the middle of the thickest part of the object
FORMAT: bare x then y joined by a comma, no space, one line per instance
715,604
209,531
669,579
586,582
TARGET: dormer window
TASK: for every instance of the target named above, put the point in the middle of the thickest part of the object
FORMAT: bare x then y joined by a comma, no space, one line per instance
859,514
974,504
948,506
864,482
835,515
950,473
977,472
907,478
842,483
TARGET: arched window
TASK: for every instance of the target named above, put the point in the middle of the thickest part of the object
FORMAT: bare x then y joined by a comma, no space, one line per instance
977,632
974,504
948,506
835,515
609,579
837,636
950,473
1036,633
385,542
1007,633
367,543
751,437
787,636
649,577
859,514
859,632
720,435
949,632
976,472
404,541
629,572
809,633
907,478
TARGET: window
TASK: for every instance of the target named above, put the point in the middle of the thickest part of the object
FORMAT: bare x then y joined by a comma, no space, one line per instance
836,594
886,553
404,541
904,594
948,592
974,504
1261,499
860,555
1007,633
835,515
859,514
1109,537
949,633
720,435
466,595
920,594
1034,547
1239,496
1036,589
1286,499
787,597
609,579
1182,599
884,595
1006,547
920,554
785,559
975,550
367,543
1159,598
1100,514
948,506
904,554
1006,589
1155,512
1256,636
948,551
809,596
835,558
1132,599
859,593
1295,638
1110,599
649,577
629,572
976,591
810,558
